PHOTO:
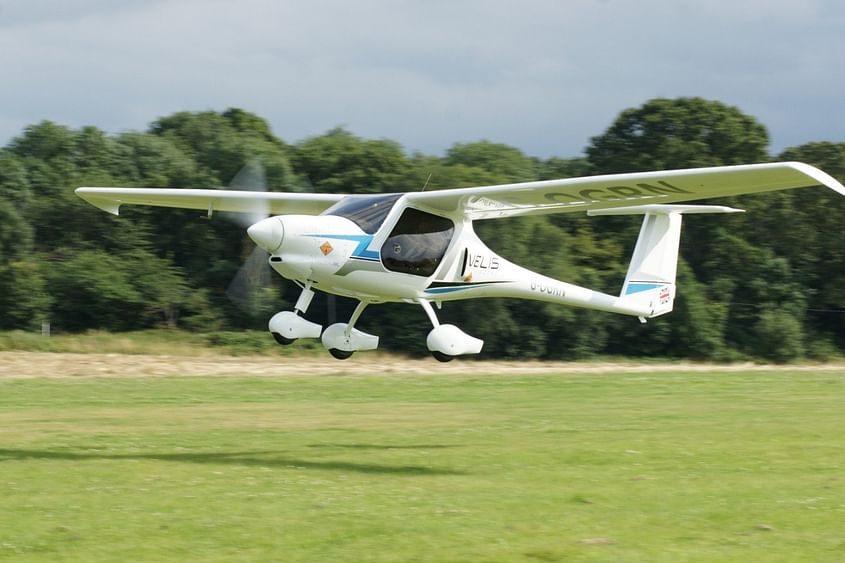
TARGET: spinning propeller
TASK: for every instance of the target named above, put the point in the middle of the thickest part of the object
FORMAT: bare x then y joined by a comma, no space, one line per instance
251,290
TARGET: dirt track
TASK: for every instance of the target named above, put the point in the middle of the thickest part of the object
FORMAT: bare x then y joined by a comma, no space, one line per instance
44,364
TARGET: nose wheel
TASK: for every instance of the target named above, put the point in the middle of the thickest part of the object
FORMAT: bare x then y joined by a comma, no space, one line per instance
288,326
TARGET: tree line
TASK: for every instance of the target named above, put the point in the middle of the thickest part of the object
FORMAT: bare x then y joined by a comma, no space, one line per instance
768,284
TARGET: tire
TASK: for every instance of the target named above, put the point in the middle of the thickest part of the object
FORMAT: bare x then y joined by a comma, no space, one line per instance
340,354
441,357
282,340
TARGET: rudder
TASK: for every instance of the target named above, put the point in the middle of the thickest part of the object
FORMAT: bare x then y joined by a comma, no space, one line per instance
650,281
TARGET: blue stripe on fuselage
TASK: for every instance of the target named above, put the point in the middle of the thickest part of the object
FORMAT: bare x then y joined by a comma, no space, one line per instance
453,288
360,250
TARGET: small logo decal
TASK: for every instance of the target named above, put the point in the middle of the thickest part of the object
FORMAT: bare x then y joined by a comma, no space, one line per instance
326,248
664,295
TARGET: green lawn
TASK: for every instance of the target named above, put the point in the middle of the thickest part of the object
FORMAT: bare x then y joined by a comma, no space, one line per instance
626,467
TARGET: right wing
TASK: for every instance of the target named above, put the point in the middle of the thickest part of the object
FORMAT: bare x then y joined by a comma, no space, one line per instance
276,203
623,190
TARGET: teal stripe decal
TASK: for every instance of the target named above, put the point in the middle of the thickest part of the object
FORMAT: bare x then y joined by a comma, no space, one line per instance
637,287
453,288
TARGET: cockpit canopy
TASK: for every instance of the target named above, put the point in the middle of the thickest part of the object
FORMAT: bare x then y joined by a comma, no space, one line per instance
417,242
366,211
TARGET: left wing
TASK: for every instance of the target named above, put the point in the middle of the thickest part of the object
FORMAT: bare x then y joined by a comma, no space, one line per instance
623,190
275,203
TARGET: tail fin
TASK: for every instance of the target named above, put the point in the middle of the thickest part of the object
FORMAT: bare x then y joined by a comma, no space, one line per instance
650,282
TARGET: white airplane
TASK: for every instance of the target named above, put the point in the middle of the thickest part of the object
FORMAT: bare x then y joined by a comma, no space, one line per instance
420,247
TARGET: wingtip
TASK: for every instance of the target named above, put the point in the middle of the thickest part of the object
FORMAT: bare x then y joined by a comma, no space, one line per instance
107,205
820,176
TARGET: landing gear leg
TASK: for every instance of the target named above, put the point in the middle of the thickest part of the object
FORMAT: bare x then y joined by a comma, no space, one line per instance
356,314
347,333
343,339
304,299
287,326
447,341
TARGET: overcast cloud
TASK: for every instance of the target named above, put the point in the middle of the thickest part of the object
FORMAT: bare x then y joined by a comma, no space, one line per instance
541,75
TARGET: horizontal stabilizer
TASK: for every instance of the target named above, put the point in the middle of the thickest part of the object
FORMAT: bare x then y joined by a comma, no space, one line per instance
658,209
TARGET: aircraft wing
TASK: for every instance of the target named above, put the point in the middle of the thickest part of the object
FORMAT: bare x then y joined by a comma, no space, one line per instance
275,203
623,190
507,200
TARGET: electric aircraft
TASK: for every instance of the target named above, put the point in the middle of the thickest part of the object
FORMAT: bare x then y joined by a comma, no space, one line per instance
421,248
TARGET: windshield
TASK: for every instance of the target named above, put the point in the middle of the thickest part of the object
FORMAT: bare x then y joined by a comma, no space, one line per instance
417,243
366,211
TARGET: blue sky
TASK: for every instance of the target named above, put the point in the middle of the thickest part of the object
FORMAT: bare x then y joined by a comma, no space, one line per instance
540,75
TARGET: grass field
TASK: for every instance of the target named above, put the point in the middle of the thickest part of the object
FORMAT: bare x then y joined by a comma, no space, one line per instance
624,467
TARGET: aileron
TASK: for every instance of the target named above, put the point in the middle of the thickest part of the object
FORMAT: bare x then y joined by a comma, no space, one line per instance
111,199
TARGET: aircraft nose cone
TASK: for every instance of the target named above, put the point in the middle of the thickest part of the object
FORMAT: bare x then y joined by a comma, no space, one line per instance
267,233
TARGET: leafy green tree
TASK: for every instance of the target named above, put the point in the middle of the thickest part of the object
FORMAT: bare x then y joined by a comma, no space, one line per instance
23,300
778,336
663,134
506,162
555,168
46,141
805,225
93,290
338,161
698,322
434,173
15,233
756,281
149,160
223,143
131,290
14,183
165,293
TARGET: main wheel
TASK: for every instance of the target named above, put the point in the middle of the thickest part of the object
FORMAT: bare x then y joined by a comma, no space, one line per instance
441,357
340,354
282,340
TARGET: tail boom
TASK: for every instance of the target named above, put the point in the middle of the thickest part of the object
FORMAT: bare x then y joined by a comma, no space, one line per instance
649,287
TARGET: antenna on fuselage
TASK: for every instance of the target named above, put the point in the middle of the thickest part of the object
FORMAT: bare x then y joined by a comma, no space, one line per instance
426,181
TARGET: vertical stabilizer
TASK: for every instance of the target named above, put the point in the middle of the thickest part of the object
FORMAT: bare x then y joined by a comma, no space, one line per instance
650,282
